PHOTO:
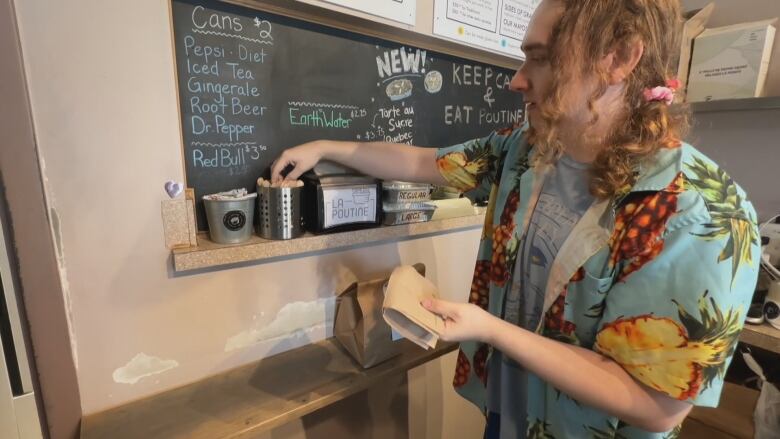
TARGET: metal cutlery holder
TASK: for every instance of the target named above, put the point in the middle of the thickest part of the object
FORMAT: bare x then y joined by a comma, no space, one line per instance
279,212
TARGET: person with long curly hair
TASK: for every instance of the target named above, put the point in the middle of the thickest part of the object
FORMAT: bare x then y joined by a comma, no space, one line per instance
617,262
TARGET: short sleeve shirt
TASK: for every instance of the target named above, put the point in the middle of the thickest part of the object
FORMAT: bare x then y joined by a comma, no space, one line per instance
657,279
564,198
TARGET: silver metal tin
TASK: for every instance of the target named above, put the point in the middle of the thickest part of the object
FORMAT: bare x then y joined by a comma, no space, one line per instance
400,192
407,213
230,221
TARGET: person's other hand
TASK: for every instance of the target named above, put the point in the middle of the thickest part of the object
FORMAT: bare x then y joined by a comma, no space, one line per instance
462,321
301,158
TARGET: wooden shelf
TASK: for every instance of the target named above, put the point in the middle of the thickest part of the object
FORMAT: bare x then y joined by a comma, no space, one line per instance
769,103
254,398
763,336
733,418
209,254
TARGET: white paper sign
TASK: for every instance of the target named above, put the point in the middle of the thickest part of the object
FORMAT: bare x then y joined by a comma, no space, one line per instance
497,25
397,10
348,206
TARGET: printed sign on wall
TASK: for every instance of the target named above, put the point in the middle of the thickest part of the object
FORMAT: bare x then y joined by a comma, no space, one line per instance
397,10
497,25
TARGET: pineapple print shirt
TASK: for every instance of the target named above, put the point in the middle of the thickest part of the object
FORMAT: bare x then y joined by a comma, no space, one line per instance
658,279
565,196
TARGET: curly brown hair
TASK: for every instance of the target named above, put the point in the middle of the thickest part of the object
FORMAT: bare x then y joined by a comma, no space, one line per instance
596,28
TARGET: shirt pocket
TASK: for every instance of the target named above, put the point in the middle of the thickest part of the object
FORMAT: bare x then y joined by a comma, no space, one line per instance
585,302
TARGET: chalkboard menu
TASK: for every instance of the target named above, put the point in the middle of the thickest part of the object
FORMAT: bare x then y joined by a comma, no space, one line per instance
252,84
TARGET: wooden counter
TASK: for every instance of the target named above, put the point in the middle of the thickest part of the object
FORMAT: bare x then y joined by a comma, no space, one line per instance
733,418
763,336
253,398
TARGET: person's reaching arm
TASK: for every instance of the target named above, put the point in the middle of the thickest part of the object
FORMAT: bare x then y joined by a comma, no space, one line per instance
387,161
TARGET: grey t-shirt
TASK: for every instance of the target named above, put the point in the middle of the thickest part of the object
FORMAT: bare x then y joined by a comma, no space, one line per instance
564,199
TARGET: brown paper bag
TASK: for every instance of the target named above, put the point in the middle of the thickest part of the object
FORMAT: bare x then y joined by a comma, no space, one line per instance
359,325
403,311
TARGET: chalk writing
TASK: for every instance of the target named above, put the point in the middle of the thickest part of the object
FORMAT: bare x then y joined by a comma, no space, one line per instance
393,124
202,19
251,83
219,125
264,28
320,104
468,75
222,34
397,61
318,118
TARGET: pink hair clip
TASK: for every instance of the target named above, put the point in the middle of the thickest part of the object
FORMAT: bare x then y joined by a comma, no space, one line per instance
662,94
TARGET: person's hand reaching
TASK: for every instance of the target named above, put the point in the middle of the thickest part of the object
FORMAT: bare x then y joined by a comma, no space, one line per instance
301,158
462,321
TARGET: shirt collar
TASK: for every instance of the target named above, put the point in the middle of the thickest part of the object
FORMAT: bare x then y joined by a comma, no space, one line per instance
655,175
660,171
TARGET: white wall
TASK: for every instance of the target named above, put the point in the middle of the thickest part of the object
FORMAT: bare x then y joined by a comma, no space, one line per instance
747,146
102,88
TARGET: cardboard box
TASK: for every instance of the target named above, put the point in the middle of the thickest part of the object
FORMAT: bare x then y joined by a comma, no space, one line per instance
731,62
694,26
